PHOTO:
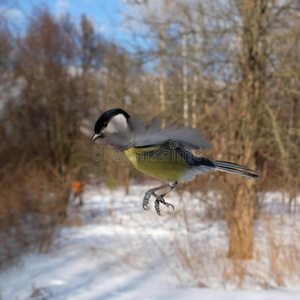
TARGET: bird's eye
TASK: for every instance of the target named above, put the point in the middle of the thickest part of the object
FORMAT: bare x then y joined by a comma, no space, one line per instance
104,124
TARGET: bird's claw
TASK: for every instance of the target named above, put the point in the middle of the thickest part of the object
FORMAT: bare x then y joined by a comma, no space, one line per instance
157,208
160,200
169,204
146,201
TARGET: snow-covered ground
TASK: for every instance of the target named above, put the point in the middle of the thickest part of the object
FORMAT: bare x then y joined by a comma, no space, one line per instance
123,252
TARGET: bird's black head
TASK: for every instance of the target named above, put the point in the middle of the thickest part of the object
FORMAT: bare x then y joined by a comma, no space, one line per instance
108,120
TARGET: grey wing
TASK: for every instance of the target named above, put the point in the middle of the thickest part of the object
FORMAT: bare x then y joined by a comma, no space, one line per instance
186,137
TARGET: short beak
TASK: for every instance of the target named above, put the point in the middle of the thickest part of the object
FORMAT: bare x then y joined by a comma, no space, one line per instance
95,136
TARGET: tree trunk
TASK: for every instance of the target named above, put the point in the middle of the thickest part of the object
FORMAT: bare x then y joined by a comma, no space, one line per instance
246,126
162,96
184,79
240,220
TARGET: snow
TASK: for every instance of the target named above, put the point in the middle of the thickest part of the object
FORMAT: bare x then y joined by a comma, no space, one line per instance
123,252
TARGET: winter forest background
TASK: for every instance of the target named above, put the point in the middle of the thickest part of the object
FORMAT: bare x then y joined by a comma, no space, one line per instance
230,68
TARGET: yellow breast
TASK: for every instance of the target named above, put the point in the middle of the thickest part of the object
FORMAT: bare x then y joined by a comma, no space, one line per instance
160,162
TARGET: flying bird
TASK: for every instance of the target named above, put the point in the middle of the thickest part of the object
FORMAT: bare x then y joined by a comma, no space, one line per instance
165,154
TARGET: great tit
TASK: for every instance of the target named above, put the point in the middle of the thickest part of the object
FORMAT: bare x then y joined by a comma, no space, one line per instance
164,154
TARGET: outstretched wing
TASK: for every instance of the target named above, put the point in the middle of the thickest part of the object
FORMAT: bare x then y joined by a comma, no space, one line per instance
153,134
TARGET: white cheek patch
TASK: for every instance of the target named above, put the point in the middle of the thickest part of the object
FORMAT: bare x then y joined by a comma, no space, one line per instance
116,123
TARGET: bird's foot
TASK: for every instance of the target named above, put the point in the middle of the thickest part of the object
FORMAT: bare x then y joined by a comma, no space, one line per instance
160,200
146,199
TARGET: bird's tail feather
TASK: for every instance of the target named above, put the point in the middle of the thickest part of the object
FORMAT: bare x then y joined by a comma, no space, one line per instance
232,168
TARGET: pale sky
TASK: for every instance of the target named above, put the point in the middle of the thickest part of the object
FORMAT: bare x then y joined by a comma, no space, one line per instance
107,15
